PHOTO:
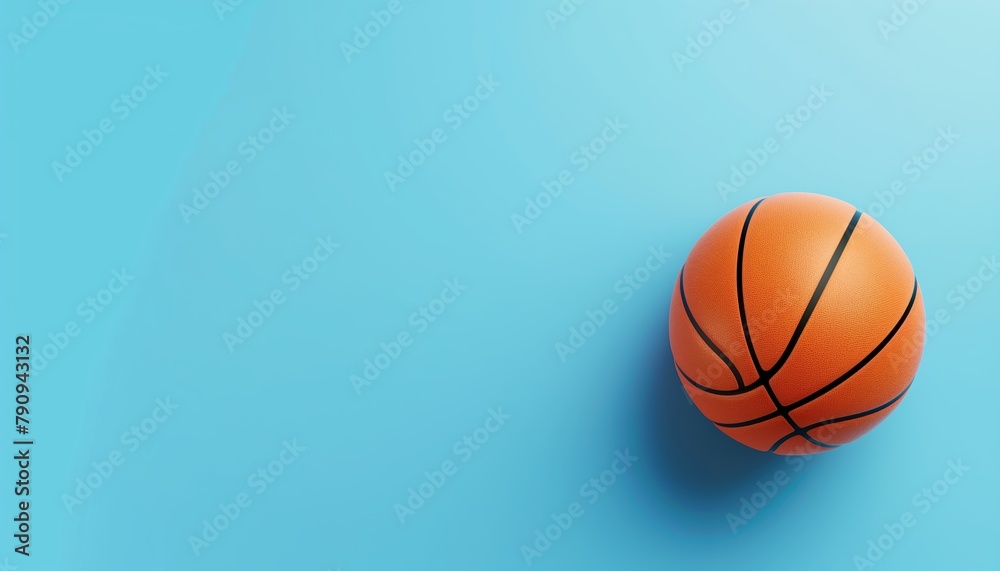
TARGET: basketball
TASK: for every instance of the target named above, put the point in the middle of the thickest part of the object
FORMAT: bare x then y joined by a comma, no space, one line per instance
796,324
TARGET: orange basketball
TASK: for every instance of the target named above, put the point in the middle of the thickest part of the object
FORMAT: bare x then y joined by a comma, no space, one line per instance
796,323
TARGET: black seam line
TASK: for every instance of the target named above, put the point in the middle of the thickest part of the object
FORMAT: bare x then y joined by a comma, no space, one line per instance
704,337
879,408
823,281
766,377
817,293
770,393
702,387
739,290
840,380
796,429
797,433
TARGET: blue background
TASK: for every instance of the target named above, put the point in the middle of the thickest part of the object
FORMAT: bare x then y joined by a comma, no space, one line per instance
324,175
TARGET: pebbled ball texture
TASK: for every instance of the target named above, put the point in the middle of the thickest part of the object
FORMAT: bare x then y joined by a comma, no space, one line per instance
796,323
